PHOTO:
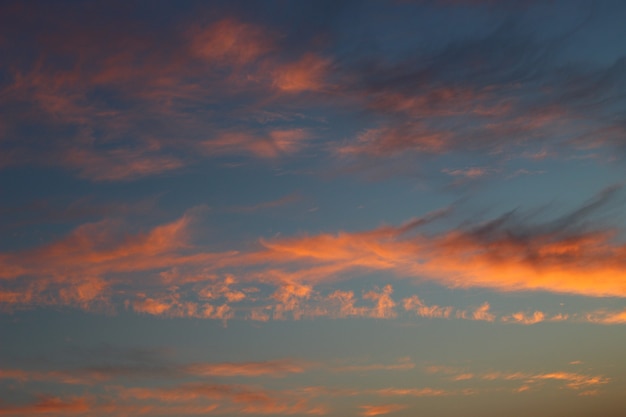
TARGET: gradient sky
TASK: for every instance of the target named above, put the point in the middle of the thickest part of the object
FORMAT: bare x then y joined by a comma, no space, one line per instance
335,208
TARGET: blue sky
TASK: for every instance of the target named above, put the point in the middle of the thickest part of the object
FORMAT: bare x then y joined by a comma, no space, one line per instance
312,208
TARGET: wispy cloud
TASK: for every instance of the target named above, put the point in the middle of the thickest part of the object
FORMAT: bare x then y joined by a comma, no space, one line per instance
402,365
282,201
503,254
582,383
378,410
50,405
607,317
91,264
270,145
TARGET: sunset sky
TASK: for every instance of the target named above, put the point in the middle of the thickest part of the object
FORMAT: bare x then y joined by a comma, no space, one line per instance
412,208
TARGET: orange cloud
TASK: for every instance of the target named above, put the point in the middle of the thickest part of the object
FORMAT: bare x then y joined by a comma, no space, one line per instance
607,317
482,313
571,380
523,318
272,145
410,392
306,74
82,268
88,267
48,405
96,374
119,164
470,173
414,303
158,76
172,306
288,199
388,141
579,262
246,399
440,102
63,377
302,301
275,368
377,410
230,41
402,365
385,306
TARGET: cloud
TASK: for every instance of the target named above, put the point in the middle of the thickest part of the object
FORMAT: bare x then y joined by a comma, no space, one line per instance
377,410
274,368
607,317
468,173
88,267
529,380
414,303
573,381
172,306
385,306
287,199
81,268
49,405
482,313
272,145
245,399
96,372
306,74
139,103
410,392
119,164
190,82
402,364
230,41
505,254
386,141
482,94
536,317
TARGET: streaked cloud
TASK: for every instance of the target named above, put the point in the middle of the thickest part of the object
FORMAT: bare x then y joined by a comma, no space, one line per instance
583,384
272,145
230,41
503,254
86,268
50,405
378,410
402,364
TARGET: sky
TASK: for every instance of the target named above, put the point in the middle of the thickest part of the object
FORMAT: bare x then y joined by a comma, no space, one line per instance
313,208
